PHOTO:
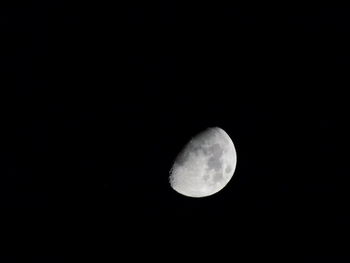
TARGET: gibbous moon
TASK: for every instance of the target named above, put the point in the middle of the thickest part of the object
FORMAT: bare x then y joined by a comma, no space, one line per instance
205,165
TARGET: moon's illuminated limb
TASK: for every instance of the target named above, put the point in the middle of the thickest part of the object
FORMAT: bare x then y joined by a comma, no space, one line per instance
205,165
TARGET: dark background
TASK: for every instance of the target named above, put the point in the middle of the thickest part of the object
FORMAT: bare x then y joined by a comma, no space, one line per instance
97,101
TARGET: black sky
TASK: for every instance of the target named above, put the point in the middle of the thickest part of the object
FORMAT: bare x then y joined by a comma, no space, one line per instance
98,100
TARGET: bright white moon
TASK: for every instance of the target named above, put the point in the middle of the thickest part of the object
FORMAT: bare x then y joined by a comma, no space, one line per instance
205,165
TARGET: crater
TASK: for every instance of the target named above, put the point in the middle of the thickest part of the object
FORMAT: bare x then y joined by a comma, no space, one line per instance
228,169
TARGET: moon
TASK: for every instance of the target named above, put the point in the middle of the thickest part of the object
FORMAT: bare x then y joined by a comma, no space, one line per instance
205,165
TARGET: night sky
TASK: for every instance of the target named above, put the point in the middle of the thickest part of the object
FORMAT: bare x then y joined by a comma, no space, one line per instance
97,101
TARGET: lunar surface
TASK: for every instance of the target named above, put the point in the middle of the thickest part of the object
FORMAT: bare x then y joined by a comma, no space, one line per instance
205,165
